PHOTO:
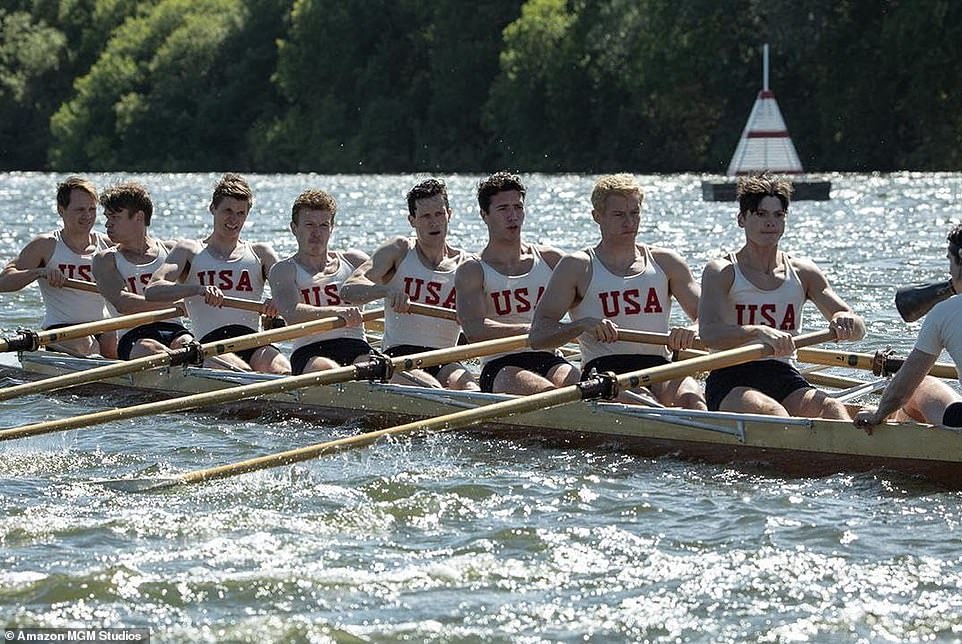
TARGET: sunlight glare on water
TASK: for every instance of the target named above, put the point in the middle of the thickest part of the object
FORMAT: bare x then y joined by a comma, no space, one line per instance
466,538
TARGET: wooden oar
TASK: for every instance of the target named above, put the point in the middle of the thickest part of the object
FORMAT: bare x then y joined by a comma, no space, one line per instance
32,340
374,369
229,302
193,354
879,363
595,388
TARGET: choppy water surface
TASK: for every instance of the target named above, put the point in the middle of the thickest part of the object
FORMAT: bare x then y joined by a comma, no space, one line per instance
457,538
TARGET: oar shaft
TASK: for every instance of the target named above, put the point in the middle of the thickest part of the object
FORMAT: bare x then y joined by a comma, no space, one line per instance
499,410
44,338
145,363
280,385
868,362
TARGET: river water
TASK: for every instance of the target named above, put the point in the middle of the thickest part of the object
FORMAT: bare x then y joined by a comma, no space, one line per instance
457,538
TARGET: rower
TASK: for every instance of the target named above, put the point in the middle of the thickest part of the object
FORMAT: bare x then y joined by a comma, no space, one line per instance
621,284
417,269
920,396
757,295
59,255
306,286
203,272
123,271
497,292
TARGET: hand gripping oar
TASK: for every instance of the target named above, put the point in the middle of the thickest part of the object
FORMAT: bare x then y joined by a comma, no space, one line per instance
605,386
380,368
229,302
881,363
192,354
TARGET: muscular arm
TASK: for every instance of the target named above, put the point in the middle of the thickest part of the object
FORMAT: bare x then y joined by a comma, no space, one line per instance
29,265
470,305
567,285
551,255
681,282
166,282
904,383
111,285
846,323
369,281
290,305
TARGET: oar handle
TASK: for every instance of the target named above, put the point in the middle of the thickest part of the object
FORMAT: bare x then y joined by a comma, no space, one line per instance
230,302
649,337
433,311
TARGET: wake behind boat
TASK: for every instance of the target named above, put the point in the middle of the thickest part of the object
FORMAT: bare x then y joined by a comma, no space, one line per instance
795,446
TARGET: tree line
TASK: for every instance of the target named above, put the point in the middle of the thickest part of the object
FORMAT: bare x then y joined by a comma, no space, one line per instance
366,86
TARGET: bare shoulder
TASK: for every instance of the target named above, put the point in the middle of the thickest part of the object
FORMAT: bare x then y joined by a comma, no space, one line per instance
667,257
470,269
355,257
550,254
576,261
283,269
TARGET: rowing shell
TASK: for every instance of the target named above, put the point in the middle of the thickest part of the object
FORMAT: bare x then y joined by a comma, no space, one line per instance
796,446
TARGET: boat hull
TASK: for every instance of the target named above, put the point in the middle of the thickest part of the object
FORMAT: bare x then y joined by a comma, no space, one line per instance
795,446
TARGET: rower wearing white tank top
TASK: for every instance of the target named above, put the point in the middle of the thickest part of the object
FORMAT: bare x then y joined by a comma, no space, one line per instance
497,293
54,257
757,295
203,272
621,284
418,269
307,286
123,271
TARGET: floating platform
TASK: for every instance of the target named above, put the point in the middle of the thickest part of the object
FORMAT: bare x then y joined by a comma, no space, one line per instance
803,191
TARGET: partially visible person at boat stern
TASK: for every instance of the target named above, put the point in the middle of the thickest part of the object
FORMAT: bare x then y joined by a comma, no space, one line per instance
920,396
203,272
621,284
307,286
417,269
757,295
498,291
59,255
123,271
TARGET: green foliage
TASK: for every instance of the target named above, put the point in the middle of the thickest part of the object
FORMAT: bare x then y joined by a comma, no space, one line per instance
535,85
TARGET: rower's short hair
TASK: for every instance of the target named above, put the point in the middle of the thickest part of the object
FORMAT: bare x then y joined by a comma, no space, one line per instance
66,187
955,241
622,184
234,186
130,196
751,189
498,182
313,200
425,190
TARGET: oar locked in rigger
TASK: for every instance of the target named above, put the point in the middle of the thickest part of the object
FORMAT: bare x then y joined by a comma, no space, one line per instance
604,386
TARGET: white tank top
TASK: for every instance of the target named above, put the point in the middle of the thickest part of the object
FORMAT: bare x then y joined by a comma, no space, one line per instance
242,278
68,305
425,286
638,302
780,308
137,276
511,298
324,290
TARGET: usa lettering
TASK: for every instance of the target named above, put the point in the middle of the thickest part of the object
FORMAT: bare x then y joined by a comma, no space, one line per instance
226,280
613,302
132,282
82,272
515,301
766,315
328,295
416,288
